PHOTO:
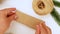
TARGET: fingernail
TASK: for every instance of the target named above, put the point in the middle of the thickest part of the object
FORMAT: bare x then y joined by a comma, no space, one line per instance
13,11
15,17
37,25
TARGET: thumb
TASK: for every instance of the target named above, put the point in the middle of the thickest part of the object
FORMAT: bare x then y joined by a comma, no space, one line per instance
12,17
47,28
7,11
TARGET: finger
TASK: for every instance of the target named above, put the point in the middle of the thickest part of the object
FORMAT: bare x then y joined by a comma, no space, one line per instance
12,17
7,11
47,28
10,14
43,31
38,29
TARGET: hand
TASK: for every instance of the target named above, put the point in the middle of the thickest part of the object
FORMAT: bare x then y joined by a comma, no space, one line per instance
43,29
6,16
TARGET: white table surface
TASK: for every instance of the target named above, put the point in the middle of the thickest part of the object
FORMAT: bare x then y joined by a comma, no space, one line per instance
26,7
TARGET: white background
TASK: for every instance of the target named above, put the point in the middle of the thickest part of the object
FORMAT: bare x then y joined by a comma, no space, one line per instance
26,7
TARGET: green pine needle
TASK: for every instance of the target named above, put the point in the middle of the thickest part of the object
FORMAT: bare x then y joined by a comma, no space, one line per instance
56,16
56,3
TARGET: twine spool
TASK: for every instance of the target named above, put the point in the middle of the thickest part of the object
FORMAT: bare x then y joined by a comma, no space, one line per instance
43,7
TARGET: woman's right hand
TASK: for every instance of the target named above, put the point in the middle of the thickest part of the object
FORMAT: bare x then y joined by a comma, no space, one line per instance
43,29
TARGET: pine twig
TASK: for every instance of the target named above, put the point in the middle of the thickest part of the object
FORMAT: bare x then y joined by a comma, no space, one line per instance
56,16
56,3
